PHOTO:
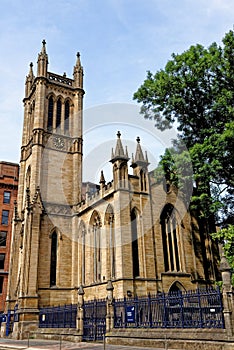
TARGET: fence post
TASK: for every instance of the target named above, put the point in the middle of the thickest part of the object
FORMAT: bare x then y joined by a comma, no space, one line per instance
201,324
80,311
149,311
181,300
109,307
227,294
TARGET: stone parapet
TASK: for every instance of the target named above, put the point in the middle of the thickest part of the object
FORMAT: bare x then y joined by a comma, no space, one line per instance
95,197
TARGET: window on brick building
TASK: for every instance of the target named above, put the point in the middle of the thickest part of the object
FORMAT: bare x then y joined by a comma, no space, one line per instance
6,197
1,283
3,236
2,261
5,217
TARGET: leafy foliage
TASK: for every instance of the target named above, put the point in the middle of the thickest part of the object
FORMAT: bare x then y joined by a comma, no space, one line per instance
226,236
196,90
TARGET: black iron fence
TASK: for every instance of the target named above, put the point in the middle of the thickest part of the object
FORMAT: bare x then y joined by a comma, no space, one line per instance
94,319
193,309
58,316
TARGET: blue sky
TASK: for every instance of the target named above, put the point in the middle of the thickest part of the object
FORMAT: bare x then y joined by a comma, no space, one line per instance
119,41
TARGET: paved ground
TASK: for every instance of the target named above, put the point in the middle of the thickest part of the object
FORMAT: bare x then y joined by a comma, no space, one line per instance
8,344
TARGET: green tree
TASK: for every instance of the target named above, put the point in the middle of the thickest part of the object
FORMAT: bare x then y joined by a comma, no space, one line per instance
196,90
226,237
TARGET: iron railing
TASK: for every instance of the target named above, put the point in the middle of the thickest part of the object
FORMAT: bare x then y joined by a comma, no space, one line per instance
194,309
58,316
201,308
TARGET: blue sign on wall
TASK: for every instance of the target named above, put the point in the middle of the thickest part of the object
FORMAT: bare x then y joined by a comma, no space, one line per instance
131,314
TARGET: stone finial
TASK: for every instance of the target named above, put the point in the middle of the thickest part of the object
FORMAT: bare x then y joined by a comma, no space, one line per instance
102,178
126,151
31,68
78,63
78,72
139,158
42,61
146,157
139,154
119,150
43,50
29,80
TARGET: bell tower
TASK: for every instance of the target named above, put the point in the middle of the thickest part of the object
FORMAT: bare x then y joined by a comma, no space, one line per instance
49,186
53,107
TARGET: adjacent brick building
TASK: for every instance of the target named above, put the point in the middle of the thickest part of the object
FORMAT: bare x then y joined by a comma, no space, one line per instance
9,173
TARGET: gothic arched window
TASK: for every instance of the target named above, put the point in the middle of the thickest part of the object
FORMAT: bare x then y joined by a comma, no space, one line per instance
95,223
50,113
58,113
66,116
135,253
170,239
53,259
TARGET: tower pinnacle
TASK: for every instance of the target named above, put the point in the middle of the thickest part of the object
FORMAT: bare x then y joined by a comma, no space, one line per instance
78,72
29,80
119,150
102,179
43,50
42,62
78,63
139,156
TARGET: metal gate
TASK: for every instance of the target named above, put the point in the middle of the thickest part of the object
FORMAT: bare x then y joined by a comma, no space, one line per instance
94,320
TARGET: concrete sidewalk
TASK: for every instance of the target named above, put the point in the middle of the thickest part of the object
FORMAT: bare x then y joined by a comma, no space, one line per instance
39,344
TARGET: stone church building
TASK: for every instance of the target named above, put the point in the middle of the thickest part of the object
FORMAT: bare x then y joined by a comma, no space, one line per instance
129,231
